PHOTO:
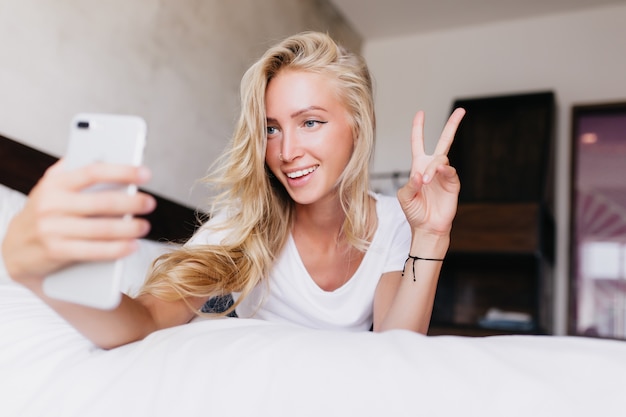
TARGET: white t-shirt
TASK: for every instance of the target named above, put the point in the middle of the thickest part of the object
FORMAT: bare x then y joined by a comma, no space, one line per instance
293,297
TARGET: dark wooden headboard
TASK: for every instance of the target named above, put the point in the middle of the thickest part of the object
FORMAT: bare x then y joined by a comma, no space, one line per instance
21,166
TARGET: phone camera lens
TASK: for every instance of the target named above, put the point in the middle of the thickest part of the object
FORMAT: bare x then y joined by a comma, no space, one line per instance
83,125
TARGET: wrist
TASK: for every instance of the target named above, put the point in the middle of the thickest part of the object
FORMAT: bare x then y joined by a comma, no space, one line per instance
429,245
10,268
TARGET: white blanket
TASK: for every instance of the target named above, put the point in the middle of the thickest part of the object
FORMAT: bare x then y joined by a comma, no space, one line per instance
252,368
237,367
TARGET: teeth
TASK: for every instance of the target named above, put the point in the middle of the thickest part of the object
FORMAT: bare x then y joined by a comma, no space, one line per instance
301,173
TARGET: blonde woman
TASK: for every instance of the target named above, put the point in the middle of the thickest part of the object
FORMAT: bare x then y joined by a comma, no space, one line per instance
295,234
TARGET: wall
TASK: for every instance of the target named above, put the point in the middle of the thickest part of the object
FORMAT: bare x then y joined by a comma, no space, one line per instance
177,63
580,56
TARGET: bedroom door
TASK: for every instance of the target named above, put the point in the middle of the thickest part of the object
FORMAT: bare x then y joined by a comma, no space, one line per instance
598,221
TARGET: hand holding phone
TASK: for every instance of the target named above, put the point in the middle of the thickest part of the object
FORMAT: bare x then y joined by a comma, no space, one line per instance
116,139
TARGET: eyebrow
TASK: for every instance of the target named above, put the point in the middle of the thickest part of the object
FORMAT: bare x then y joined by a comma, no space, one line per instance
299,112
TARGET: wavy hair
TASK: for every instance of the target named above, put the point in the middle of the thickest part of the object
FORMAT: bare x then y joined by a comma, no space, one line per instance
260,212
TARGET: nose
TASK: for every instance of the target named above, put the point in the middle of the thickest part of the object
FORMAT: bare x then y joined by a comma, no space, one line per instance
290,148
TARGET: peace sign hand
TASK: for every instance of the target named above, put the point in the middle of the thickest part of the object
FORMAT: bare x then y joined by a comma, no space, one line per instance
430,197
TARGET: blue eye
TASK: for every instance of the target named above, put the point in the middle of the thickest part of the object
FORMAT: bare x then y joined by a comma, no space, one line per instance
271,130
313,123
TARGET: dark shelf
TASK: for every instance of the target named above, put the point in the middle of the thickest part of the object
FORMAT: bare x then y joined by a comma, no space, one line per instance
502,242
472,283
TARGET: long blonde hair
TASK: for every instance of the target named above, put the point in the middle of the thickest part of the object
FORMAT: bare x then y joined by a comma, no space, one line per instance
260,212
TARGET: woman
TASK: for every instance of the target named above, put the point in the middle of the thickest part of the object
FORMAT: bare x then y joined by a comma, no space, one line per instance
296,235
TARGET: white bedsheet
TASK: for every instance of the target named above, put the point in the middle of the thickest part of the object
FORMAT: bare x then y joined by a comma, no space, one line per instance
236,367
242,367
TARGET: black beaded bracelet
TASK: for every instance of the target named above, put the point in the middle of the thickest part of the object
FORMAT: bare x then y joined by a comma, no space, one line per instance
418,258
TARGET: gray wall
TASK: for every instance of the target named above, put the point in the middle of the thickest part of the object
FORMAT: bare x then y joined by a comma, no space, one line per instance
177,63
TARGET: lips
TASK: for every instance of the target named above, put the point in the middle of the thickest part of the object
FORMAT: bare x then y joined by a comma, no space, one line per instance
301,173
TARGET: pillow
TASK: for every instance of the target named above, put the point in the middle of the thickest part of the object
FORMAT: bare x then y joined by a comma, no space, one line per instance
12,202
137,264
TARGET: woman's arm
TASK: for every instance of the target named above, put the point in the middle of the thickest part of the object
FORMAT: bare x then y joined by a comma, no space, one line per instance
59,226
406,302
132,320
429,201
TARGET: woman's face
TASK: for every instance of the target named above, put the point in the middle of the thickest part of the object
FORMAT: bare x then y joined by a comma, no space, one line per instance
309,137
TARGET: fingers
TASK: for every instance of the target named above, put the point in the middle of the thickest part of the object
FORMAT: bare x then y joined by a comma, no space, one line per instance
99,251
109,174
449,178
69,251
61,224
113,241
98,173
428,165
108,204
82,226
49,202
411,188
439,167
66,238
449,130
417,135
65,216
438,162
446,138
59,191
94,229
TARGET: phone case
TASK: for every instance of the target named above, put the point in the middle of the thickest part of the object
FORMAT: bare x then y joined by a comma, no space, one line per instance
118,139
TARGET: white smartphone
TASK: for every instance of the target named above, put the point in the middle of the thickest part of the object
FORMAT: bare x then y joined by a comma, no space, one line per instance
118,139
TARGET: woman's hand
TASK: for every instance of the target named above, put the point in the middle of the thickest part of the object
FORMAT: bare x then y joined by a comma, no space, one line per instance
430,197
60,225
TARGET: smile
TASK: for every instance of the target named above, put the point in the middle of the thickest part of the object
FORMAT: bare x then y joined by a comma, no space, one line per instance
302,172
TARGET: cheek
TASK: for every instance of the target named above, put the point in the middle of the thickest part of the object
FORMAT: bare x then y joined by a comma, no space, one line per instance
347,148
271,157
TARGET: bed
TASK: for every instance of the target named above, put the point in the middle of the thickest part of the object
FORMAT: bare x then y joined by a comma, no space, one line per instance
247,367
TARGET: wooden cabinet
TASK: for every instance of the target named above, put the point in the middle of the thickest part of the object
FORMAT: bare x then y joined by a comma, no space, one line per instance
497,277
